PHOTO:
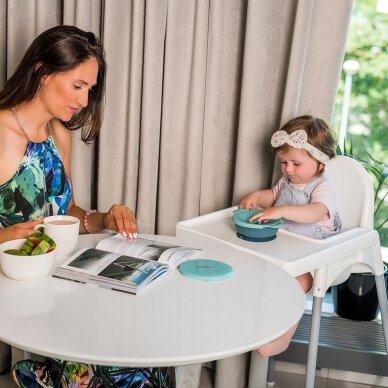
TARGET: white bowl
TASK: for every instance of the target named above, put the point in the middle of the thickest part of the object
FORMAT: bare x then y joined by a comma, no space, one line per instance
25,267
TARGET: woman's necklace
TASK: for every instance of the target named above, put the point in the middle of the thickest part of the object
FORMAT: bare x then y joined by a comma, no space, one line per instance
46,205
17,118
15,114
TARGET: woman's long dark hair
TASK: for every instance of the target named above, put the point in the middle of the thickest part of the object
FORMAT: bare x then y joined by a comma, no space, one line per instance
60,49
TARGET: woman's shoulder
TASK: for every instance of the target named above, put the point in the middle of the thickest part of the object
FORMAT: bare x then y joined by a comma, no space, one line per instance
6,121
61,135
62,138
8,130
58,128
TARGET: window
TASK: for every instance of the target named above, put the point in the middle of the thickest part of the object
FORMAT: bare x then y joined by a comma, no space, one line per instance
360,113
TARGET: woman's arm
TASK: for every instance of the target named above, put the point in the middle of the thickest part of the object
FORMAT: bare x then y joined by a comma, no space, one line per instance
119,217
21,230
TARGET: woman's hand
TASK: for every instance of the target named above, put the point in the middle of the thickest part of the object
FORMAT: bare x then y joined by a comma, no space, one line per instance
121,219
21,230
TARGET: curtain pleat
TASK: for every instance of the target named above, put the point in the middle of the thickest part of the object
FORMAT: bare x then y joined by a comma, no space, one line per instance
221,105
151,117
124,61
182,112
34,17
315,60
266,56
132,121
84,14
3,42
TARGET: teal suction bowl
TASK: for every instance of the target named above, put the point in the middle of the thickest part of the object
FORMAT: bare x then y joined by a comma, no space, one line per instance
254,232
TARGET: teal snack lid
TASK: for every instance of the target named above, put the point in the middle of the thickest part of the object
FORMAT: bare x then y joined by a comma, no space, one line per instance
206,269
241,217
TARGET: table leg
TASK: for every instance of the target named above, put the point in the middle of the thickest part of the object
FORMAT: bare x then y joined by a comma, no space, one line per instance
188,376
258,371
231,371
313,343
383,303
59,377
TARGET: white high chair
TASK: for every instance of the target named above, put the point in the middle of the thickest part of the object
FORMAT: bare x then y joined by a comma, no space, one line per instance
355,249
356,208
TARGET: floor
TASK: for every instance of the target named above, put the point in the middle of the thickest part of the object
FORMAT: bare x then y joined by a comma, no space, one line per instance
291,380
5,381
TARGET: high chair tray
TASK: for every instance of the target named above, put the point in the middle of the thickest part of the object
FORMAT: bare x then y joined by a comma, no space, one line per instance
294,253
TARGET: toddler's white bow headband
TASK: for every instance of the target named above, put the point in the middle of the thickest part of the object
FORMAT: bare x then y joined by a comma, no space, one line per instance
298,139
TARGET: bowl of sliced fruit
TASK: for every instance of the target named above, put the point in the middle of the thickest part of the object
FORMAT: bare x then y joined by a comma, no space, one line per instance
28,259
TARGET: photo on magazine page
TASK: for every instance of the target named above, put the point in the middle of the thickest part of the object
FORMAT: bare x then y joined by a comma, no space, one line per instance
115,266
130,269
153,251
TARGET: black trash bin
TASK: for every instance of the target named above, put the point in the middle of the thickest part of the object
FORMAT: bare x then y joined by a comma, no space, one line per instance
356,298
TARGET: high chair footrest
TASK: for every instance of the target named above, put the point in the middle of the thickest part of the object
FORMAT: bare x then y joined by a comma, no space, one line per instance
344,344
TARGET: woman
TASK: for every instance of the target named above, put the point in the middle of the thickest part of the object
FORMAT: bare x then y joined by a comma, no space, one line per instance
59,86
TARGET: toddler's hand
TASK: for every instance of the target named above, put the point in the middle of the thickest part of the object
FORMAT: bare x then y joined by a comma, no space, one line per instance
270,213
249,202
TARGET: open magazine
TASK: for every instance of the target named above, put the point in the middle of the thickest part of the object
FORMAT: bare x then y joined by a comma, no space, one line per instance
124,265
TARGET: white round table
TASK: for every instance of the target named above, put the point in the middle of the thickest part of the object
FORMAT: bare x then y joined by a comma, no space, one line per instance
179,321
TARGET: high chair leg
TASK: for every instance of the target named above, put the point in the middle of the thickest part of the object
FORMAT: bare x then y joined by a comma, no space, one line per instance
313,343
383,303
271,372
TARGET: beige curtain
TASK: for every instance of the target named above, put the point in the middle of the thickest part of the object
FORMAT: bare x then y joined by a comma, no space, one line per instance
195,89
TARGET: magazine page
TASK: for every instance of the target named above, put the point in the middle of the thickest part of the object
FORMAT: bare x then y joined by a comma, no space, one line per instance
169,254
110,270
90,261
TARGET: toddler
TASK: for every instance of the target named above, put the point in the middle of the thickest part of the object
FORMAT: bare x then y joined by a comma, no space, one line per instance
304,197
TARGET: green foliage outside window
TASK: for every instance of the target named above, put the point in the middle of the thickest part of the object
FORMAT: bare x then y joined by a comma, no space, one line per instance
368,117
379,171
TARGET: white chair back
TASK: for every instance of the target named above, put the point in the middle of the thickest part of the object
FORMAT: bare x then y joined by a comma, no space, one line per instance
354,191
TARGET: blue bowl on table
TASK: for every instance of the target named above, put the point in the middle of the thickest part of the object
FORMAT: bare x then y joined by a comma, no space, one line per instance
255,232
